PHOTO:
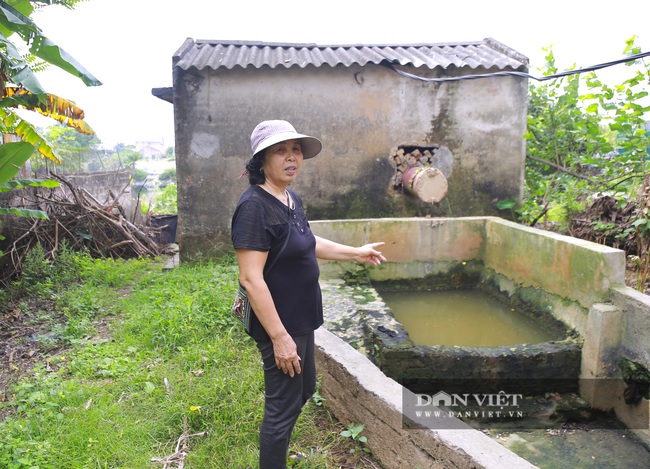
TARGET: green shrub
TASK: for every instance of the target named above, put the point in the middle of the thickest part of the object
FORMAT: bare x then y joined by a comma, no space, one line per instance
164,201
140,175
168,175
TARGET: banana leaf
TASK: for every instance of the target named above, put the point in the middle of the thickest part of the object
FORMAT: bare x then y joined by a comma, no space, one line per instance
12,157
20,72
24,212
28,133
22,183
13,20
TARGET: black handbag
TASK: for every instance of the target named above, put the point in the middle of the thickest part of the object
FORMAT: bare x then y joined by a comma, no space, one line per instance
241,307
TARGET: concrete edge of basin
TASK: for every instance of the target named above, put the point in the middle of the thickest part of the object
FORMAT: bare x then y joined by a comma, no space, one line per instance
355,390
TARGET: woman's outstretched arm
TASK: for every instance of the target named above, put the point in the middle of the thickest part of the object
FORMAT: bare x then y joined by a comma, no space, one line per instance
333,251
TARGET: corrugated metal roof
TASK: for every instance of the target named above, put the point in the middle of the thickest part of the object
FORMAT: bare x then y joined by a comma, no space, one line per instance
213,54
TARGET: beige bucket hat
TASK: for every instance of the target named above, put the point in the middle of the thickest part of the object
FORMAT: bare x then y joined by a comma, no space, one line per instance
268,133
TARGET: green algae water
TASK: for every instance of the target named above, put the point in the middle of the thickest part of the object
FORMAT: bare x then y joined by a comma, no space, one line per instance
462,317
578,449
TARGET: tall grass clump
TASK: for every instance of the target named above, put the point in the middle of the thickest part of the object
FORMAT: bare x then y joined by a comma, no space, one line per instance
139,357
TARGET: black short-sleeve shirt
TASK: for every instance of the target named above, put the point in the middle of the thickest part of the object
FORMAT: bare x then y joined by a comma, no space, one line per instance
261,223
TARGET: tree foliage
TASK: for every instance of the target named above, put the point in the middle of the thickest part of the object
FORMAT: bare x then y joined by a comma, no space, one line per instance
76,149
584,137
588,146
168,175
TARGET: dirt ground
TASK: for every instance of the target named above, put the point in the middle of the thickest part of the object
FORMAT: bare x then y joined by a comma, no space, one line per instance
20,347
26,340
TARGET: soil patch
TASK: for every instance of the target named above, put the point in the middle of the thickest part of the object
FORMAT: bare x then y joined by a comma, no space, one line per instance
25,339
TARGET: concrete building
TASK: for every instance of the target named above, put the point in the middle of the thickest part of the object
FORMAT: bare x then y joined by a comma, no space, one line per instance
151,150
466,102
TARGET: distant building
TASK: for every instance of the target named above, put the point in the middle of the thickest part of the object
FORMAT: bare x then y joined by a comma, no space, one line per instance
151,150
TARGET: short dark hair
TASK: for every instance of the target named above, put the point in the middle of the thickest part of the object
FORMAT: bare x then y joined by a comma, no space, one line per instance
254,168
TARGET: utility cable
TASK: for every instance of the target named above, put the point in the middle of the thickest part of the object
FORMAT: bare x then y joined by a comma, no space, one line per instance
631,58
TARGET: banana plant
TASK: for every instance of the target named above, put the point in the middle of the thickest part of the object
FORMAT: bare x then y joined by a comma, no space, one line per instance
19,88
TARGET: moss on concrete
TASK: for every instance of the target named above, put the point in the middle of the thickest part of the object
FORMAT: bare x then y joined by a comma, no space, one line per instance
444,276
530,301
637,378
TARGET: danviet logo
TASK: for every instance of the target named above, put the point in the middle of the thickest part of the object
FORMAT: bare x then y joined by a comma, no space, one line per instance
443,399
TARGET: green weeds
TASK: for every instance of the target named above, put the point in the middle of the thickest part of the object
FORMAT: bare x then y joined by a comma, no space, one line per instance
137,358
354,433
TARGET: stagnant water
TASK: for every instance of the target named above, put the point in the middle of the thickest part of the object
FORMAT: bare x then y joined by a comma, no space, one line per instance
462,317
577,448
559,446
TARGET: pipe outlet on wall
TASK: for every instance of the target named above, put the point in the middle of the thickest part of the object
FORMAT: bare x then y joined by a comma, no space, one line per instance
421,171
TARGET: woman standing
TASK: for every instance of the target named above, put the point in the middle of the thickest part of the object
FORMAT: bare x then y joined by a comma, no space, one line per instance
270,226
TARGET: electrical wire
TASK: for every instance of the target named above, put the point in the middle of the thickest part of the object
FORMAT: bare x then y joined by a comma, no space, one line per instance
631,58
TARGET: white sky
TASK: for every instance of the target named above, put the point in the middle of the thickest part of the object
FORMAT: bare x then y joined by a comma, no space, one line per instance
128,44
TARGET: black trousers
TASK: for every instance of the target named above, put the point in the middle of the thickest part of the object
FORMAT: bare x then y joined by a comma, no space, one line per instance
284,398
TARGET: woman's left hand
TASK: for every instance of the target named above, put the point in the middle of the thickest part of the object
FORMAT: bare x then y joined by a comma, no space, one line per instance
286,355
368,253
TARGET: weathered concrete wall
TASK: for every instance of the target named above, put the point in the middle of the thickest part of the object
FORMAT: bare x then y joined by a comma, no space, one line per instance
355,390
563,265
422,368
636,322
551,266
361,114
582,283
630,341
103,186
411,240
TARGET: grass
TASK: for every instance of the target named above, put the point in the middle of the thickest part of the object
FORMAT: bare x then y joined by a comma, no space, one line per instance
133,359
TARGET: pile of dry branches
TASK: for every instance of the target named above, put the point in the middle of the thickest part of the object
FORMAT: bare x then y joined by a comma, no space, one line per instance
605,222
619,225
624,226
177,459
77,217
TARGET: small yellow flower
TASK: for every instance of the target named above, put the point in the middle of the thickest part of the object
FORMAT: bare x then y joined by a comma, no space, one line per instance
194,408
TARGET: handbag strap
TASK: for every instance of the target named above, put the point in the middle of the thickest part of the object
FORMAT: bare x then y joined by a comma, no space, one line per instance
284,245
